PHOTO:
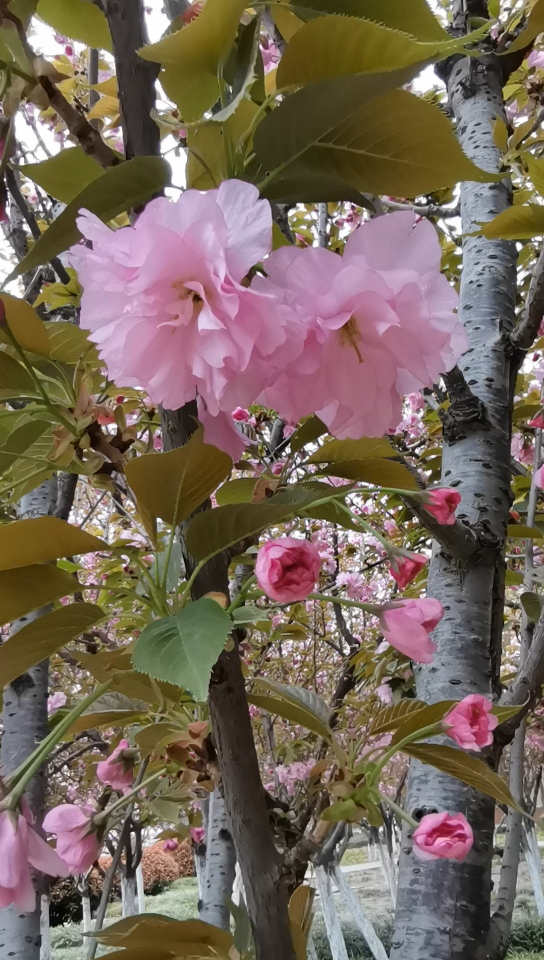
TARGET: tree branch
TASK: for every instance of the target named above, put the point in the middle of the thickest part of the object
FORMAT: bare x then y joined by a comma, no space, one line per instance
32,223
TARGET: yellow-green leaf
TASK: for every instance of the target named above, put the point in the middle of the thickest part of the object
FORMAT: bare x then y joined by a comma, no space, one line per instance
215,530
292,712
535,25
25,325
363,449
15,380
191,58
426,717
414,18
536,171
464,767
40,638
334,46
518,530
66,174
80,20
69,343
42,539
28,588
389,718
240,490
20,441
172,485
155,933
396,144
515,223
382,473
119,188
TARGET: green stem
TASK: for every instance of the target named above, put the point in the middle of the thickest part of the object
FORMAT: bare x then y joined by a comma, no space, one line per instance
189,583
398,810
238,601
17,781
373,608
430,731
101,818
28,366
169,548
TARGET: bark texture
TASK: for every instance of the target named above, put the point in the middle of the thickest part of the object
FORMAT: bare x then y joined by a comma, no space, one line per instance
220,866
443,907
24,722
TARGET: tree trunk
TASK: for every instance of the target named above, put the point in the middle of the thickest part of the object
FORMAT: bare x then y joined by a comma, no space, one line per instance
443,907
331,919
24,722
220,865
129,896
45,946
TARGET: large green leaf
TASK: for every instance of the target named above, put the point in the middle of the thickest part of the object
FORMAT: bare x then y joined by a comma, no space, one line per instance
414,17
300,696
382,473
172,485
80,20
532,603
42,539
25,324
155,937
535,25
40,638
120,188
396,144
215,530
426,717
15,381
335,46
464,767
304,186
69,343
28,588
310,430
184,648
19,441
292,712
389,718
520,222
363,449
240,490
192,58
66,174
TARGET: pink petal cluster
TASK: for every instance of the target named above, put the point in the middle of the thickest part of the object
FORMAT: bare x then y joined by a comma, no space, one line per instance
538,421
77,842
405,569
287,569
170,844
356,588
538,478
442,504
471,722
197,834
443,836
407,625
117,771
164,302
21,847
379,323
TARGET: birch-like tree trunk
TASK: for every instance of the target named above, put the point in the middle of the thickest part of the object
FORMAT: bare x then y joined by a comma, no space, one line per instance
443,907
24,724
220,865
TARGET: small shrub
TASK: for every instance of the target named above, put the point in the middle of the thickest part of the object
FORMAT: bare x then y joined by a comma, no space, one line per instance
528,936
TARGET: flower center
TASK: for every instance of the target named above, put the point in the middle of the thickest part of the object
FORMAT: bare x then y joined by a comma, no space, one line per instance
350,337
185,293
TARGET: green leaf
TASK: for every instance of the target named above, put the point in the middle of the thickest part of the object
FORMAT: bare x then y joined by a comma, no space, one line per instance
248,614
192,57
184,648
341,450
418,719
300,696
11,47
521,532
15,381
504,713
334,46
66,174
42,539
19,441
342,810
25,325
304,186
395,144
78,19
240,490
535,25
382,473
120,188
532,604
414,17
389,718
292,712
215,530
520,222
40,638
245,69
28,588
150,737
464,767
23,9
310,430
172,485
69,343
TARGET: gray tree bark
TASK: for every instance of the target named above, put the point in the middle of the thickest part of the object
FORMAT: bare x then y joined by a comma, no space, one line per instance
24,723
220,865
443,908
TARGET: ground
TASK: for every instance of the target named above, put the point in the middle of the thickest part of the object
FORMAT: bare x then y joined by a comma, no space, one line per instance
180,901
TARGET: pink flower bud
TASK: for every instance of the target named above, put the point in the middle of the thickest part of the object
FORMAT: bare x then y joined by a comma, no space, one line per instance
197,834
77,842
407,625
240,415
443,836
470,722
537,421
539,478
287,569
170,844
117,771
442,503
405,569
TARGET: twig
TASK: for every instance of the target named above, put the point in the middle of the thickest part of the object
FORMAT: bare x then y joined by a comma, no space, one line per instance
15,190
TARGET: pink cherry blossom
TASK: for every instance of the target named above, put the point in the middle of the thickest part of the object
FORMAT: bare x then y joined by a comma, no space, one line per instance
170,844
538,421
536,59
407,625
240,415
471,722
22,848
538,478
442,503
197,834
287,569
379,323
416,401
523,450
77,842
55,702
384,692
405,569
356,588
443,836
164,302
117,771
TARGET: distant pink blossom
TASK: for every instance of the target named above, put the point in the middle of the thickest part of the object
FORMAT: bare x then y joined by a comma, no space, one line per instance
23,848
538,478
117,771
443,836
55,702
442,504
77,842
536,59
471,722
197,834
379,323
407,627
170,844
288,430
416,401
356,588
287,569
240,415
523,450
384,692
